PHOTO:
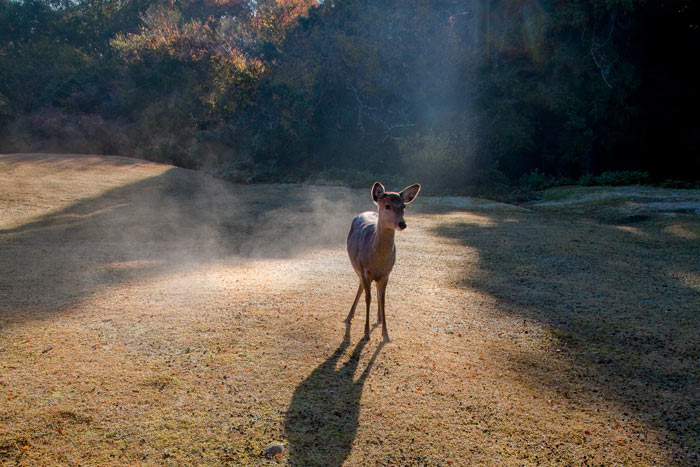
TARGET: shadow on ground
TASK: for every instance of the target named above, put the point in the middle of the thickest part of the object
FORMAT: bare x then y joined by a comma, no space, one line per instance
620,300
180,219
322,419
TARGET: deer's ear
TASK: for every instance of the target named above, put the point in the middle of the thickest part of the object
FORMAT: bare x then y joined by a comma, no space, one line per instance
409,193
377,191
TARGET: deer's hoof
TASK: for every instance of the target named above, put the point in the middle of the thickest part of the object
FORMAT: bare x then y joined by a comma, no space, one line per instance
386,339
366,338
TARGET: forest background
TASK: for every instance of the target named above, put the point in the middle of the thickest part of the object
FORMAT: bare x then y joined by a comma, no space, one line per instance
489,97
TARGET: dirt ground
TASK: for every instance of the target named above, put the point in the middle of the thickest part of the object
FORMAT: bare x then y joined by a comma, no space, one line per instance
157,316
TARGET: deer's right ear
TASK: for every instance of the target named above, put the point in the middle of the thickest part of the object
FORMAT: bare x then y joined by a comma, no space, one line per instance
409,193
377,191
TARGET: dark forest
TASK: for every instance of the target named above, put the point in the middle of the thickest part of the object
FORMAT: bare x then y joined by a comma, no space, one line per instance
468,96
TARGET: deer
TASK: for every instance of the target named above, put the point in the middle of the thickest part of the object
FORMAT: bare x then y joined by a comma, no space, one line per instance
371,247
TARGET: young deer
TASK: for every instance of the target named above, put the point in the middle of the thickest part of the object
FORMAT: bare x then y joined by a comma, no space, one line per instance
371,246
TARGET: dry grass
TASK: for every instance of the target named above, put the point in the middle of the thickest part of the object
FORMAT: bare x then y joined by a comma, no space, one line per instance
155,316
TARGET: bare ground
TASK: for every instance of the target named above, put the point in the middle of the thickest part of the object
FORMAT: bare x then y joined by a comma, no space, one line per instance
151,315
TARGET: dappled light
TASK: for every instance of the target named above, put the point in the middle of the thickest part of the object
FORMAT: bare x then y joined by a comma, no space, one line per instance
636,231
470,218
690,279
681,231
617,321
34,184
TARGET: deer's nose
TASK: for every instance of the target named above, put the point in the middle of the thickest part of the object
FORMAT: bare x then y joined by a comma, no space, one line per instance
402,225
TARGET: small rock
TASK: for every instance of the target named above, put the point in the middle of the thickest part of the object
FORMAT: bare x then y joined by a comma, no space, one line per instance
274,449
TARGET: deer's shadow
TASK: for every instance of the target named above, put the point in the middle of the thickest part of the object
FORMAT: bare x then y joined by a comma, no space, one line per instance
322,419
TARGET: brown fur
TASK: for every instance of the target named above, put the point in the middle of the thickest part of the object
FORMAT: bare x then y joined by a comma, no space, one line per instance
371,246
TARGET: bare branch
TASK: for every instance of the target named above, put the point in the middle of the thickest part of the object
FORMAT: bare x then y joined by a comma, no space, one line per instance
387,117
360,106
598,56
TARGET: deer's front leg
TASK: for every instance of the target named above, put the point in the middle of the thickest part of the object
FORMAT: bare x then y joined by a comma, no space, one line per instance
380,304
368,300
381,293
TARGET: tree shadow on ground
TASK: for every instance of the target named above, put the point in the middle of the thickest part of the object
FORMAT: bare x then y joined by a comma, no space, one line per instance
619,297
159,225
322,419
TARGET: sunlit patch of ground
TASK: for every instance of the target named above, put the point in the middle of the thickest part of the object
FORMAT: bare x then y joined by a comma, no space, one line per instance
152,315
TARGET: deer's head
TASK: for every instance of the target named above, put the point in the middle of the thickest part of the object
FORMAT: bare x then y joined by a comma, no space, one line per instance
391,205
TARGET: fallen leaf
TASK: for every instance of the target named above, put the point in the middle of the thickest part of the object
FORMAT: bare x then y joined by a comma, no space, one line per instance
419,388
60,431
10,396
620,442
25,447
587,432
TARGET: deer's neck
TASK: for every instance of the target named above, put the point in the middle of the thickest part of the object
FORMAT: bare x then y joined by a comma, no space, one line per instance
383,240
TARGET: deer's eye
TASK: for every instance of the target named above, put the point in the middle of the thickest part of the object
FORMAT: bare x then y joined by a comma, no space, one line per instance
387,206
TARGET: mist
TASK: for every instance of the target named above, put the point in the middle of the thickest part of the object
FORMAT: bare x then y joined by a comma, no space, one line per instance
170,222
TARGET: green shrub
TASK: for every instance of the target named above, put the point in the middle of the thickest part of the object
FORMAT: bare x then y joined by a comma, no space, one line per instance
489,182
617,178
167,150
683,184
358,178
5,109
536,180
587,180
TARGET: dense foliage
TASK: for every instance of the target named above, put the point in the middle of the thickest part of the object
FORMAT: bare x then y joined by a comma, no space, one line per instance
463,95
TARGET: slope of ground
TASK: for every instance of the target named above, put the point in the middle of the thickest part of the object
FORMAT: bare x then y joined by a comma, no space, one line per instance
152,315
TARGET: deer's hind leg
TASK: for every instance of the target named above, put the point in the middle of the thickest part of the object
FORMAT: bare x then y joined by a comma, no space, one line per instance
354,304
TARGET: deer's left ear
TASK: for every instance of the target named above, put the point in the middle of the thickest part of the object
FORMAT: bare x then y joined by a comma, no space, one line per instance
409,193
377,191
